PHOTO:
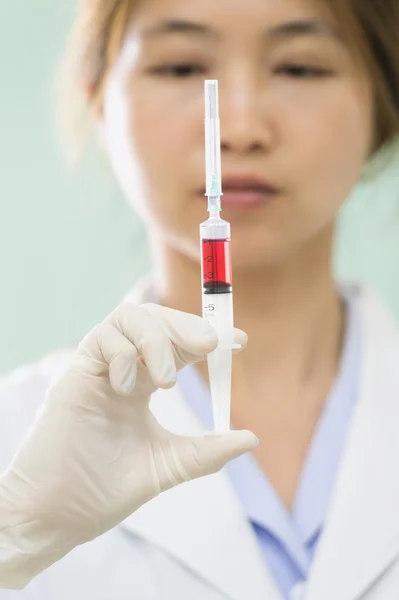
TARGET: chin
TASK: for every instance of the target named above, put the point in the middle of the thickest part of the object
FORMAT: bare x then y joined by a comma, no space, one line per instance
254,252
259,260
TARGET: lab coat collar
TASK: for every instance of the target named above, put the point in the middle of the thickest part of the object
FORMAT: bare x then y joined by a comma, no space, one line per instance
202,525
361,536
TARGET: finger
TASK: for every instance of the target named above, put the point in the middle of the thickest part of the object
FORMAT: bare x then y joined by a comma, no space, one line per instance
240,340
106,350
203,338
121,355
183,358
152,343
189,332
198,456
213,451
192,336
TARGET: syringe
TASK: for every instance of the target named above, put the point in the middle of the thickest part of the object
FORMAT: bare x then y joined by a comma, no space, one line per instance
217,291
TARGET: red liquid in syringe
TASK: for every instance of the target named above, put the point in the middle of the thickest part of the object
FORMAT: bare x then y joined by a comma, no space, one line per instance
216,266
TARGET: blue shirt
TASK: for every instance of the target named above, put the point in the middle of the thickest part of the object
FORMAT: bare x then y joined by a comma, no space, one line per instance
289,540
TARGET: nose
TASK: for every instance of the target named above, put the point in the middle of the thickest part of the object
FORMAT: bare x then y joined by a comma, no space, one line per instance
245,126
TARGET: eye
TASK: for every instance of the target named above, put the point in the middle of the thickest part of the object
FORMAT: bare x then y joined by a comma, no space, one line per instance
178,70
303,71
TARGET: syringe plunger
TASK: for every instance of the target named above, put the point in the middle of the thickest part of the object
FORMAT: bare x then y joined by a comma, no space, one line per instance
212,140
211,99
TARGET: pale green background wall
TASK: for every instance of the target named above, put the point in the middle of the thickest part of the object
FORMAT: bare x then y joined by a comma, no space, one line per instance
69,246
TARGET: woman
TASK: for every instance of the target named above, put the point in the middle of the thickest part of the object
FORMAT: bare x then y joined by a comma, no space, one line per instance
309,92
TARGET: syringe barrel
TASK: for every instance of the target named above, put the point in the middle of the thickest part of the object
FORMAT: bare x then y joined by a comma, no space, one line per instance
217,309
216,256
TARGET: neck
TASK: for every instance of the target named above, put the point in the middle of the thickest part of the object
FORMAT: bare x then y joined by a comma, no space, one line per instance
290,311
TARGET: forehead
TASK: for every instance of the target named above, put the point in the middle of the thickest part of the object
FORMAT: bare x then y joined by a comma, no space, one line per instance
229,14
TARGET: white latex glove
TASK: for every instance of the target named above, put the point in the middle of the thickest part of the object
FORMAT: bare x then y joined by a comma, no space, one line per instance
96,453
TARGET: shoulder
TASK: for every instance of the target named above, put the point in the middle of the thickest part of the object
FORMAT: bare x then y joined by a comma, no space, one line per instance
379,348
22,392
379,327
374,315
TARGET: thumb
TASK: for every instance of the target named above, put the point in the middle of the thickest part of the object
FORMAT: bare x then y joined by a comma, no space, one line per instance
213,450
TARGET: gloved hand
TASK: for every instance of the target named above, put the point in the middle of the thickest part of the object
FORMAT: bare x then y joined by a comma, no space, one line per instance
96,453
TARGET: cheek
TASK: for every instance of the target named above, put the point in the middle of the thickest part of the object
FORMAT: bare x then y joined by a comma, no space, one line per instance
159,141
120,145
148,142
334,140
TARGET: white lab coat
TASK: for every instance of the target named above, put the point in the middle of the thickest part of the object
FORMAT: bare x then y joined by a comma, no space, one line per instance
194,543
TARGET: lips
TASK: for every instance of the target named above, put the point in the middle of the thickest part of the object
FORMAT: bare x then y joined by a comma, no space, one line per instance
247,192
248,183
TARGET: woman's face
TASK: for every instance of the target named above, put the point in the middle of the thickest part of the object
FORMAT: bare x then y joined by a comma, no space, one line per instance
296,115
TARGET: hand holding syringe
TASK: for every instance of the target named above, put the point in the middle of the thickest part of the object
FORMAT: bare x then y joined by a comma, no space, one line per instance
217,292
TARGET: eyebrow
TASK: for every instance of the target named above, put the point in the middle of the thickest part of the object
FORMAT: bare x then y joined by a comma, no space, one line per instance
290,29
162,28
315,27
